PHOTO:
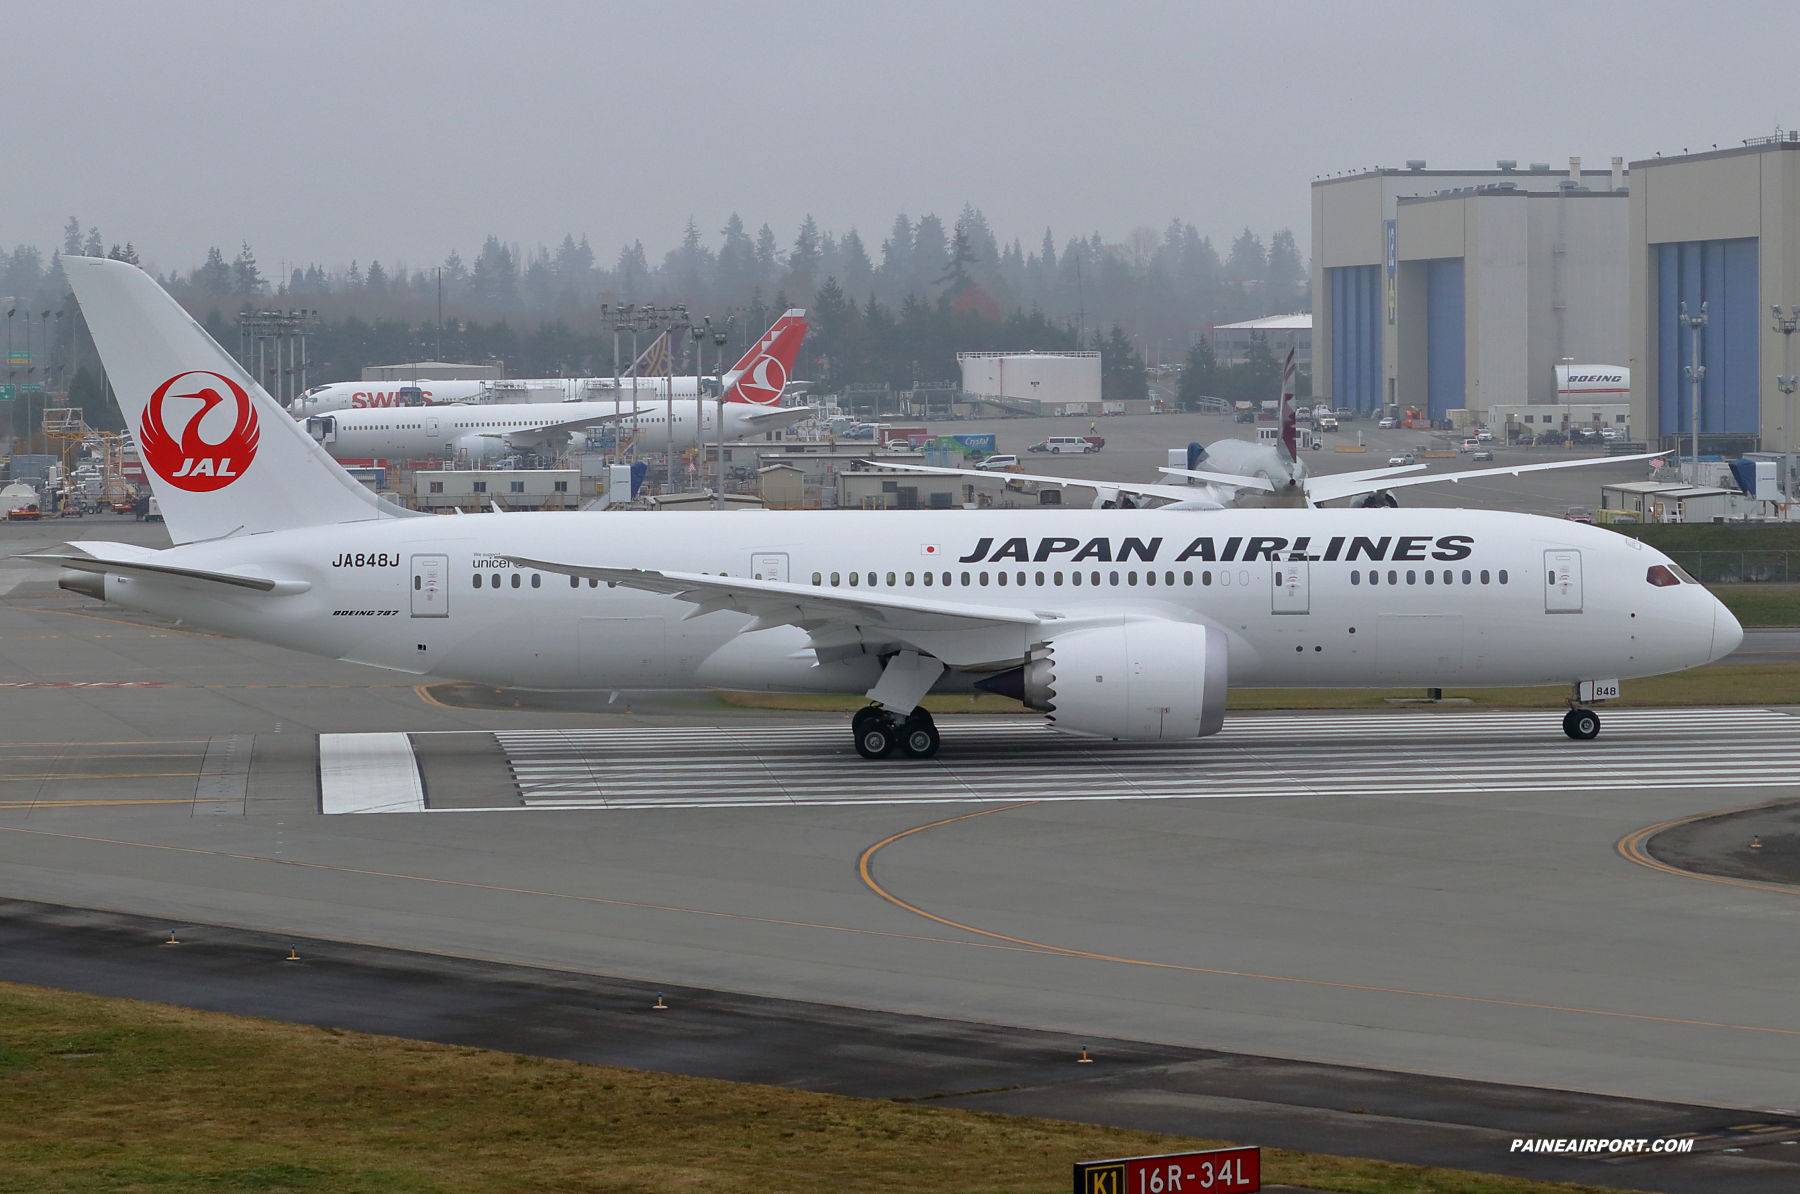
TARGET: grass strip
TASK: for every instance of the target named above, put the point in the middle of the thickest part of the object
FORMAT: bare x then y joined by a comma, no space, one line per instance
1761,604
112,1095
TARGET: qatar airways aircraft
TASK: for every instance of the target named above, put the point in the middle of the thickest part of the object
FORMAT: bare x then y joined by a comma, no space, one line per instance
761,375
1123,624
489,430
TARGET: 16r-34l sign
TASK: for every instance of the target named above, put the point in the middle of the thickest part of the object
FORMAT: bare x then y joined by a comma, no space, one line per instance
1216,1171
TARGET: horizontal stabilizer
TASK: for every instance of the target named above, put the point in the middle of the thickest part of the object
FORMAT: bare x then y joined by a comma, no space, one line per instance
132,561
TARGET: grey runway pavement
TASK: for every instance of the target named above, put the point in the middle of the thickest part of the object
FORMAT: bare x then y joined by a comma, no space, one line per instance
1452,907
1769,644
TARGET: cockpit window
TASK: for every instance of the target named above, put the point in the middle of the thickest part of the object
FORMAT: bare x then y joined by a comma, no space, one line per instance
1662,576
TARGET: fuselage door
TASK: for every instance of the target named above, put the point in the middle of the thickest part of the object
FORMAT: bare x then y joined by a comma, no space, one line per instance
1562,582
770,565
431,426
1293,587
430,586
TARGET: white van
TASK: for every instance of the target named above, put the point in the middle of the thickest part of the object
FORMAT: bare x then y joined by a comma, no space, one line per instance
1064,443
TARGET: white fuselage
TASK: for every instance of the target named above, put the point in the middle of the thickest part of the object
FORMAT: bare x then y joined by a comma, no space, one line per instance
494,430
1497,610
370,395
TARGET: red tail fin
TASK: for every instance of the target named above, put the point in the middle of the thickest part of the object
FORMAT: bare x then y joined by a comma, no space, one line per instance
763,372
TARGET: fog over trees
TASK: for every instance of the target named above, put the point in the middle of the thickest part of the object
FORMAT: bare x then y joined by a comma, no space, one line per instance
896,311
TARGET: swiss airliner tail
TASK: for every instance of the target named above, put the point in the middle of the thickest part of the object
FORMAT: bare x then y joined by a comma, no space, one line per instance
222,456
764,371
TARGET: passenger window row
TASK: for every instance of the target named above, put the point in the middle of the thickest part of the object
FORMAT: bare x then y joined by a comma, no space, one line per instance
537,580
1431,576
1020,579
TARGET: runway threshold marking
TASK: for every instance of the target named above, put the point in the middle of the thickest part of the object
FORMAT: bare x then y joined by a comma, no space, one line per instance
864,866
525,891
1634,847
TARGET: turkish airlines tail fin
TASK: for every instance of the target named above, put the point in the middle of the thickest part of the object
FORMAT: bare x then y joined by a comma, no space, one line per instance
222,456
763,372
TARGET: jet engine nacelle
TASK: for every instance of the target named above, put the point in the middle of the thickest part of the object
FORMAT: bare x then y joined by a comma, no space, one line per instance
1145,681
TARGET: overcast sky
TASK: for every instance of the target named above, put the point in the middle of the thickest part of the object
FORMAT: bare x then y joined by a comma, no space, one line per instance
334,131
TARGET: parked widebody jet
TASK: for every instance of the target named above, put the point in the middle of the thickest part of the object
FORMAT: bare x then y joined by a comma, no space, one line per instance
1123,624
759,377
658,417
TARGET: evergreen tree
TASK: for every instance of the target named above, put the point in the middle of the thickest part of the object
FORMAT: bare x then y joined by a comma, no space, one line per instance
93,246
213,279
246,279
805,258
962,256
1286,274
1122,369
87,391
1200,378
897,256
931,253
767,256
1247,261
72,238
377,281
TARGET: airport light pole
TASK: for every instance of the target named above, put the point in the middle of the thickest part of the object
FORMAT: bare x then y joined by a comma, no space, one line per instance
1696,373
1786,382
719,336
699,336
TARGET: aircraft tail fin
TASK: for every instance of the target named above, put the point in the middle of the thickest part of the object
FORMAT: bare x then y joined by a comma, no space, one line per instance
222,456
1289,437
764,370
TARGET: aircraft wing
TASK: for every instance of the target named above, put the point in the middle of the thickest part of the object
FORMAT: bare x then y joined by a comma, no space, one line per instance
1324,489
131,560
777,414
1176,493
840,621
643,408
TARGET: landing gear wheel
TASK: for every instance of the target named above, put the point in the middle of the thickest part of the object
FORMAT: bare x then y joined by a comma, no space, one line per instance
863,716
919,737
876,738
1583,725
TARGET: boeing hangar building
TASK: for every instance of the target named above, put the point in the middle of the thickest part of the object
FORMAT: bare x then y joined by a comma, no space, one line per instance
1444,289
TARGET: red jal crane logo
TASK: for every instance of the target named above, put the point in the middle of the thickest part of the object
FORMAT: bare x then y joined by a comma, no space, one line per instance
192,463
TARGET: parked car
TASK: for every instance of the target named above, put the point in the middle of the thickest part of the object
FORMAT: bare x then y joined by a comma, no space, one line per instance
1065,443
998,464
1402,458
1387,423
1579,514
1483,454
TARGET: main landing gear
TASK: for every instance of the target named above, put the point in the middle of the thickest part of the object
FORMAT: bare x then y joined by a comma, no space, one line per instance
878,732
1583,725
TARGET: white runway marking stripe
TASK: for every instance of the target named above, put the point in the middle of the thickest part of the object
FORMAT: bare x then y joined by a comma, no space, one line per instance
1256,755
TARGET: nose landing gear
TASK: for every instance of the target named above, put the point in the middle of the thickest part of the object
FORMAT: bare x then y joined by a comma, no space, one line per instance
878,732
1583,725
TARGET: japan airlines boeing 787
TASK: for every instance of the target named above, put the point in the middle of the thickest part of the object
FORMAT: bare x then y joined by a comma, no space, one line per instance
1126,624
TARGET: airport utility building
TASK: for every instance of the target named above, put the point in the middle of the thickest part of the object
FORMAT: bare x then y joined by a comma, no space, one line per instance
1444,290
1722,229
